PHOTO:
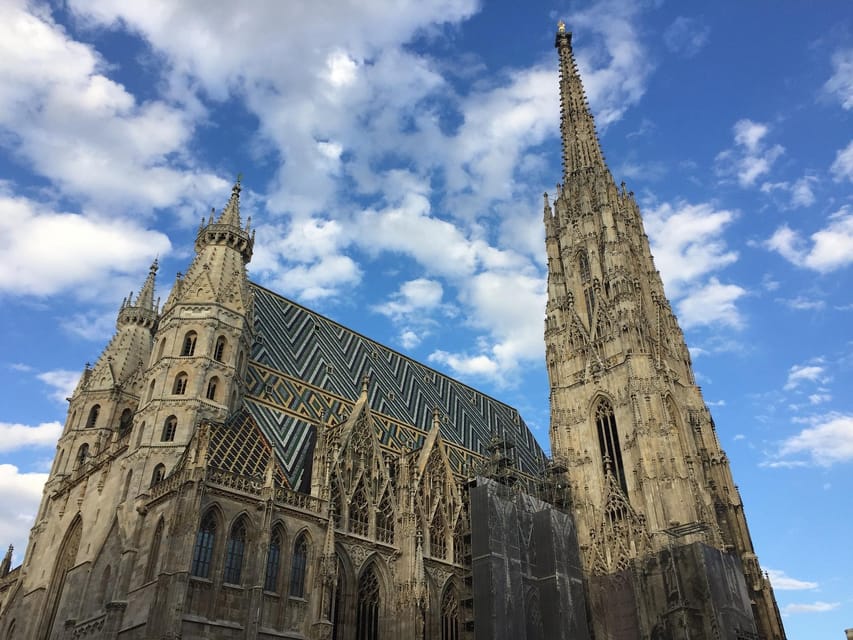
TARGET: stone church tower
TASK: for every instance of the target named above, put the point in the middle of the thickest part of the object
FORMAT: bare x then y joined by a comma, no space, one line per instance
652,494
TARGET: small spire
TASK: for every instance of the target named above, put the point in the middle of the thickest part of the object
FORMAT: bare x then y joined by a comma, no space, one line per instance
145,299
365,383
548,214
6,564
231,212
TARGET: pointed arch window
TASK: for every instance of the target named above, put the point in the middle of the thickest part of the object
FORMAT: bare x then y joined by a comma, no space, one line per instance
154,552
92,420
450,614
151,390
158,475
359,512
161,349
234,551
203,550
211,388
219,349
170,428
188,347
125,422
608,441
83,453
180,386
299,567
273,561
367,611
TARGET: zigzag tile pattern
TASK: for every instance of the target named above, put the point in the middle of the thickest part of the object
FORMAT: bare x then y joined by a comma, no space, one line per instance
306,369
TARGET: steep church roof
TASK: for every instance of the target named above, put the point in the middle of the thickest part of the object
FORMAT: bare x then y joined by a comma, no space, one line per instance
307,370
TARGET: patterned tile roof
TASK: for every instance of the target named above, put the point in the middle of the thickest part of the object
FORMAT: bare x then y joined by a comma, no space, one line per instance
306,370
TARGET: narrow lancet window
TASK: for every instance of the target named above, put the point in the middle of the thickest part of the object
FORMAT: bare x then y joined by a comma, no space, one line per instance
273,561
608,441
203,551
299,567
189,343
234,551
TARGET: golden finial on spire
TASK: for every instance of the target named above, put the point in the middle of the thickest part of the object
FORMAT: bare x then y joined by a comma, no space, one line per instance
561,27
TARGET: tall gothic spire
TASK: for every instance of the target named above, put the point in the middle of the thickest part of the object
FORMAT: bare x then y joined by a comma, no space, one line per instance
581,150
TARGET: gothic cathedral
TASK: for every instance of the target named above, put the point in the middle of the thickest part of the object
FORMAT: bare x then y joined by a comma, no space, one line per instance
235,465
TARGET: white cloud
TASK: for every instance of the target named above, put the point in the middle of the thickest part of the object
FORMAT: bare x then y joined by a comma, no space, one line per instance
819,398
813,372
417,296
801,192
840,84
20,494
19,436
751,158
46,252
831,247
801,303
687,243
814,607
842,166
783,582
686,36
118,151
828,441
621,82
711,304
62,381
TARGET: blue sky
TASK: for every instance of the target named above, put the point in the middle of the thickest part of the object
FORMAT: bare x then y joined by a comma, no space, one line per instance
393,159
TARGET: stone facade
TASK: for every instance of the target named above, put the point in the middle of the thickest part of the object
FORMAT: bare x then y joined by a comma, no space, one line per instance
236,466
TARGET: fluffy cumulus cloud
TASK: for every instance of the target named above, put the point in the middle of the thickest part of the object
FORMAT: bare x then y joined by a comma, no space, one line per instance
814,372
45,251
61,382
119,152
18,436
828,249
688,245
620,81
20,493
827,441
840,83
751,157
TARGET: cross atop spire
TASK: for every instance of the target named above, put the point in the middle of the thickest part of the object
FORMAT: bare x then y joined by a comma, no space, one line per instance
581,150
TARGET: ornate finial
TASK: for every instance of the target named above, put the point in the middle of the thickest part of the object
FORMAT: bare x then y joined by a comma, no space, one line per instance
561,27
239,178
365,381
